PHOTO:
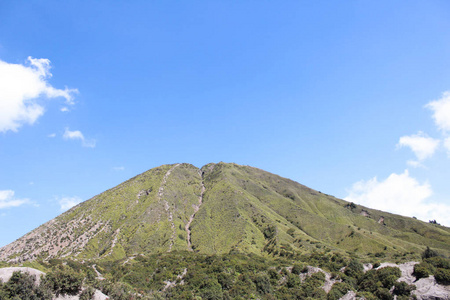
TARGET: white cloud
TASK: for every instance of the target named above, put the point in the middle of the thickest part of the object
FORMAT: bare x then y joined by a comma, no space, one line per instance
21,87
447,145
51,135
119,168
69,202
441,111
73,135
7,199
77,135
400,194
422,145
64,109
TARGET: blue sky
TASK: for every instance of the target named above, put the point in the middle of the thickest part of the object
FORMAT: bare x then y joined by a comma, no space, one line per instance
348,98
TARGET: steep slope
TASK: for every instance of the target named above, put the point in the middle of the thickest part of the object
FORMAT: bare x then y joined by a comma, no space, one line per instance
252,210
218,208
145,214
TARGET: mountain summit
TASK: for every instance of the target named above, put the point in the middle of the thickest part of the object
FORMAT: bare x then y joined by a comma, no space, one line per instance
216,209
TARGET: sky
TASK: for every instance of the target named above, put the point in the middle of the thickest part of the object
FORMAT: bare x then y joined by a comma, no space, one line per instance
349,98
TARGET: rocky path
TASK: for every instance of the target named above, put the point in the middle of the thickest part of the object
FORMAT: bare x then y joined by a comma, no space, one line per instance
196,208
99,275
166,205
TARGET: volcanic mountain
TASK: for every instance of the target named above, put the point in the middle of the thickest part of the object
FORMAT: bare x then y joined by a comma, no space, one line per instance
220,208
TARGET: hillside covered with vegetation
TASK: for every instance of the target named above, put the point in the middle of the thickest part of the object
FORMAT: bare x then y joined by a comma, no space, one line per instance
190,275
226,231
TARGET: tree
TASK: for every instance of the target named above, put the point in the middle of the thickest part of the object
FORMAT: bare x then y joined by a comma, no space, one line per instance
429,253
23,286
64,281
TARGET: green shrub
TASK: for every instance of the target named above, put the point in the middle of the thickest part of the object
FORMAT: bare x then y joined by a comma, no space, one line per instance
388,276
291,232
23,286
316,294
225,280
262,284
429,253
354,269
293,281
273,274
367,296
270,232
87,294
403,289
438,262
421,270
442,276
64,281
369,282
297,269
211,290
384,294
338,290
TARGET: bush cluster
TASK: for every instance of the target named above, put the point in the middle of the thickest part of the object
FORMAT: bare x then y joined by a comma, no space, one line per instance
62,280
432,264
190,275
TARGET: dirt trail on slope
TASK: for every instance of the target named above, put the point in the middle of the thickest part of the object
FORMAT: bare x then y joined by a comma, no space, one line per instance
166,205
196,208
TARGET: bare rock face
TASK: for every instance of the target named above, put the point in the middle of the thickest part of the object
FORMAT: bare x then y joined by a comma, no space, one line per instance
97,296
428,289
365,213
351,295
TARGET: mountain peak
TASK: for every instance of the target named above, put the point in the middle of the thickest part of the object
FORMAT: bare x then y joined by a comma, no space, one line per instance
218,208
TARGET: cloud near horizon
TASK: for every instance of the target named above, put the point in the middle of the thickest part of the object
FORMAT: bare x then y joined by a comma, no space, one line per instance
7,199
21,91
77,135
400,194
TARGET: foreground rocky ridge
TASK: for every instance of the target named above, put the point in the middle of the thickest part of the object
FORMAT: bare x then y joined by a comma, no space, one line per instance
425,288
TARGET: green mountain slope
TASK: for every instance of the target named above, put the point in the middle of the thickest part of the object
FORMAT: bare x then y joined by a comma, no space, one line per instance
219,208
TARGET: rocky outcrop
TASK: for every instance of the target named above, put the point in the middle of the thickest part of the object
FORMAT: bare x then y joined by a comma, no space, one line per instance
6,273
426,288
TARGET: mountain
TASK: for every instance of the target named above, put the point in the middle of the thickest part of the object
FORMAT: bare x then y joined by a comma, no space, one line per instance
220,208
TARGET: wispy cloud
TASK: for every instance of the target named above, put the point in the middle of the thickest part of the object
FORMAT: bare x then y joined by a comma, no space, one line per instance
441,112
69,202
119,168
22,88
77,135
422,145
7,199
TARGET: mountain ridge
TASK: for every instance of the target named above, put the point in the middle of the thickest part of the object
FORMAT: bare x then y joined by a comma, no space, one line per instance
218,208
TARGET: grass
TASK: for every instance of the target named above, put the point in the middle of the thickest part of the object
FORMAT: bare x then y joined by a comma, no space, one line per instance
240,204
